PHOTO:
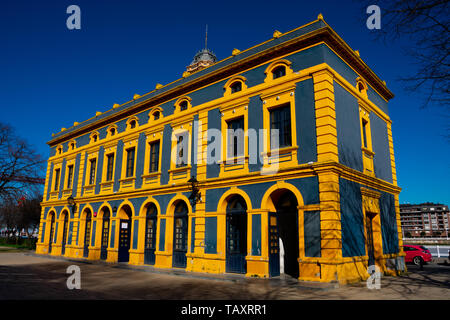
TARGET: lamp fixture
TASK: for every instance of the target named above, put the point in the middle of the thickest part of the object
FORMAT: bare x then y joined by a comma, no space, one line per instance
195,196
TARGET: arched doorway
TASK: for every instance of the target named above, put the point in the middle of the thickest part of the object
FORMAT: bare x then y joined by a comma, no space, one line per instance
52,230
150,234
87,233
105,234
125,214
283,223
180,234
64,234
236,235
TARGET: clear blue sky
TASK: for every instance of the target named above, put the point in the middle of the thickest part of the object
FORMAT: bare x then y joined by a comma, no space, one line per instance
52,76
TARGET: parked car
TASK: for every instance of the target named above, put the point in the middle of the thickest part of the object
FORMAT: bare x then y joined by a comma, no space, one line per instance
417,254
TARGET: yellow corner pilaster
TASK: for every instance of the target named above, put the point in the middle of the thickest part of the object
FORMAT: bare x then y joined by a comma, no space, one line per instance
325,116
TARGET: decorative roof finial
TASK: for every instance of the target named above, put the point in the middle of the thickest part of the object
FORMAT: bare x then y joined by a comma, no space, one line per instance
320,17
202,59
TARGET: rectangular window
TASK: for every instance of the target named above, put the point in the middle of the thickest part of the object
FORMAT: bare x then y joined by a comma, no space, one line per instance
69,176
154,156
364,126
235,137
280,119
92,171
182,146
130,162
109,167
57,175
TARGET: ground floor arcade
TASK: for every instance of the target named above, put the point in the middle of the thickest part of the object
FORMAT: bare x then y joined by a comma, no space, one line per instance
237,230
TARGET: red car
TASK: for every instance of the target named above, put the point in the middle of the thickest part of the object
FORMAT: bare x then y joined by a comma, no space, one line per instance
417,254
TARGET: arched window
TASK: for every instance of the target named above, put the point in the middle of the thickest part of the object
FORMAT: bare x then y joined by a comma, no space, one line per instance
183,104
132,123
279,72
235,84
278,69
155,114
236,87
112,130
361,86
94,137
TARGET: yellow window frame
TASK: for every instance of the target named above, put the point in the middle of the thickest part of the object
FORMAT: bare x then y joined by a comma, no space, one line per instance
366,146
152,178
285,157
231,81
180,174
231,166
106,186
127,183
88,187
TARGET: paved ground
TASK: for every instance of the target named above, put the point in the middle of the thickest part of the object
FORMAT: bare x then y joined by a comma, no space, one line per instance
24,275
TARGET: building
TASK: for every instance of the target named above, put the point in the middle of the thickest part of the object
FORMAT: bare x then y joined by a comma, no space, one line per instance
424,220
286,143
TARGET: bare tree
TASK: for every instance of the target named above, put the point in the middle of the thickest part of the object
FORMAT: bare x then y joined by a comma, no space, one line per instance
21,167
425,25
9,217
29,213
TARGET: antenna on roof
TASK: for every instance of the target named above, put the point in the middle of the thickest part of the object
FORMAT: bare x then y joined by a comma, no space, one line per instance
206,38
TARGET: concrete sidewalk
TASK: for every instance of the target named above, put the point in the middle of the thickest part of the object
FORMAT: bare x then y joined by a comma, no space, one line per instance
25,275
278,281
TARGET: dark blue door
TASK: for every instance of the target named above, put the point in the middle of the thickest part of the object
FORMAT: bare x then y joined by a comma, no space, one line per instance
180,235
124,240
274,246
105,236
64,239
87,235
52,227
150,235
236,237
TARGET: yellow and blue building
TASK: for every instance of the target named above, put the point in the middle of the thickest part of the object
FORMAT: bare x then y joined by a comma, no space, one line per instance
290,143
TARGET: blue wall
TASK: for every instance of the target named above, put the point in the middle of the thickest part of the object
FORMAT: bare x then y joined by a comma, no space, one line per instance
345,71
352,223
312,233
211,235
380,145
306,121
348,129
352,220
388,223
